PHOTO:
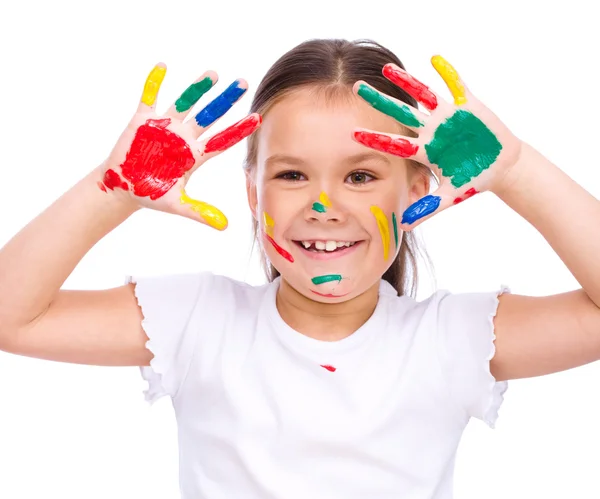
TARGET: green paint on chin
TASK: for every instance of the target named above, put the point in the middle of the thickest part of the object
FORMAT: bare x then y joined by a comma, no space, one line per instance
395,228
326,278
400,113
319,207
463,147
192,94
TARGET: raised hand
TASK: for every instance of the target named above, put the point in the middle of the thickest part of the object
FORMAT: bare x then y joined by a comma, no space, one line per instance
465,145
155,156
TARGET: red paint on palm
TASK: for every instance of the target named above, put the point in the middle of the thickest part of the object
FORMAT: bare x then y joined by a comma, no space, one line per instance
279,249
156,160
233,134
112,180
398,146
470,193
411,86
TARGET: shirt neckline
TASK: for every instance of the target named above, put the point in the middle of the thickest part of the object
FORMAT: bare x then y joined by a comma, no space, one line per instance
300,341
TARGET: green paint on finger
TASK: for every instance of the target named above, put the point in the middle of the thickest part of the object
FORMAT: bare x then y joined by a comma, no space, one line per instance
395,228
319,207
326,278
192,94
463,147
399,112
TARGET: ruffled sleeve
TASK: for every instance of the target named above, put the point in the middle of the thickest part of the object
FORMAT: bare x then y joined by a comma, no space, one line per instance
465,345
167,304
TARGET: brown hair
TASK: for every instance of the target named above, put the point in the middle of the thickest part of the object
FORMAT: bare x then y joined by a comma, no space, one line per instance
336,65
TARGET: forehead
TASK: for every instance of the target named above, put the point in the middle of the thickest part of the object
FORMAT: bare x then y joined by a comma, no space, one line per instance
312,125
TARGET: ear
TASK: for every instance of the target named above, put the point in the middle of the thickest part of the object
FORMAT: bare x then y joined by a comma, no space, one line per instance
251,192
420,184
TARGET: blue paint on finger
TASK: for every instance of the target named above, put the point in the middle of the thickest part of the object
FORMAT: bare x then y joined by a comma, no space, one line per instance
421,208
218,107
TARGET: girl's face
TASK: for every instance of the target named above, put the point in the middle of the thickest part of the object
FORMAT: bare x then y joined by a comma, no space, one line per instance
326,205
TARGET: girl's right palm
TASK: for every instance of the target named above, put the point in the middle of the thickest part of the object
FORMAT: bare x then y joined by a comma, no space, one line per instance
156,155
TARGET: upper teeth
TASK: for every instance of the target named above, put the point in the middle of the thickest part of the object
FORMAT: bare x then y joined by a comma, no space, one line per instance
327,245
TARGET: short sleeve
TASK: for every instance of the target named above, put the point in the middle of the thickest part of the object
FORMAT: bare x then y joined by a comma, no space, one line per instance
465,345
167,304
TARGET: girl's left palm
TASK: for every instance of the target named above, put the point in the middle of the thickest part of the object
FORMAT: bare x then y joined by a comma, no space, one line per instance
464,144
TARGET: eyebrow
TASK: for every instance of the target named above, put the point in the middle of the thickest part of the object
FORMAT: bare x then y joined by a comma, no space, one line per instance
353,160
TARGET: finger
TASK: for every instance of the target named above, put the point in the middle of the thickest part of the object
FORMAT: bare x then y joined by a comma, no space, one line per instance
398,145
428,206
231,135
180,108
201,212
450,76
219,106
413,87
401,112
151,87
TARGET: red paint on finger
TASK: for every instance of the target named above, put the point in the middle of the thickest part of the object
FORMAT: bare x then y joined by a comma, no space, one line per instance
279,249
398,146
411,86
112,180
470,193
233,134
156,160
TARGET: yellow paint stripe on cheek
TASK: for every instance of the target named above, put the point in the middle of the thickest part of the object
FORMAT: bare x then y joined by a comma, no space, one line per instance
213,216
384,230
325,200
269,224
451,78
152,85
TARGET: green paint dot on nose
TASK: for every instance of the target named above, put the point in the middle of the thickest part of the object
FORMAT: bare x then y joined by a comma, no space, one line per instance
326,278
192,94
399,112
463,147
319,207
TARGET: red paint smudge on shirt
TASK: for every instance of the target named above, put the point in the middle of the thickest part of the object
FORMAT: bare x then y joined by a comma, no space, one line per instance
156,160
112,180
279,249
411,86
329,368
398,146
470,193
233,134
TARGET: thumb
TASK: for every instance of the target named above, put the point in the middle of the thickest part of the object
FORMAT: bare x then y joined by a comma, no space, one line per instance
425,208
201,212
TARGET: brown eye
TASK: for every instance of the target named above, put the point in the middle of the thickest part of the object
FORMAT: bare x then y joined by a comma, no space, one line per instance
294,176
359,177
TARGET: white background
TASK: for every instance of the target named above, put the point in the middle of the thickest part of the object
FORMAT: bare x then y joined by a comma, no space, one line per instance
71,76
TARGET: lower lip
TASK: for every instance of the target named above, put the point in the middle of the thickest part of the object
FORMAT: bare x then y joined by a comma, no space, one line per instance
326,255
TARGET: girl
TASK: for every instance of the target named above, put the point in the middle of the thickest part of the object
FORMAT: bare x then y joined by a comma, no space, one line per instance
331,380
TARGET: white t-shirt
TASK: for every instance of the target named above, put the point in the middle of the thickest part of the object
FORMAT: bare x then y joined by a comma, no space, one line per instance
264,411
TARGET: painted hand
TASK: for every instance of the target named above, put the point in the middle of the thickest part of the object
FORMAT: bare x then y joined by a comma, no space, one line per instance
464,144
155,156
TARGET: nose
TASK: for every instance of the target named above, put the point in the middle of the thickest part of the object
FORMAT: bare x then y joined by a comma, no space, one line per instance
321,208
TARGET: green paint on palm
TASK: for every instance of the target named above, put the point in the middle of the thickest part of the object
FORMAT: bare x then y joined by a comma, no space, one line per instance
319,207
463,147
192,94
395,228
326,278
379,101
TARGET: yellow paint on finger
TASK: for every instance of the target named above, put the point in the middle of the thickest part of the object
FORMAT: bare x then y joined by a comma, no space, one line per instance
384,230
269,224
152,85
451,78
325,200
211,215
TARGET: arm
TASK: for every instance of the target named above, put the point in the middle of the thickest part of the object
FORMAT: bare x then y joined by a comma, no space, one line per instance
542,335
148,167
